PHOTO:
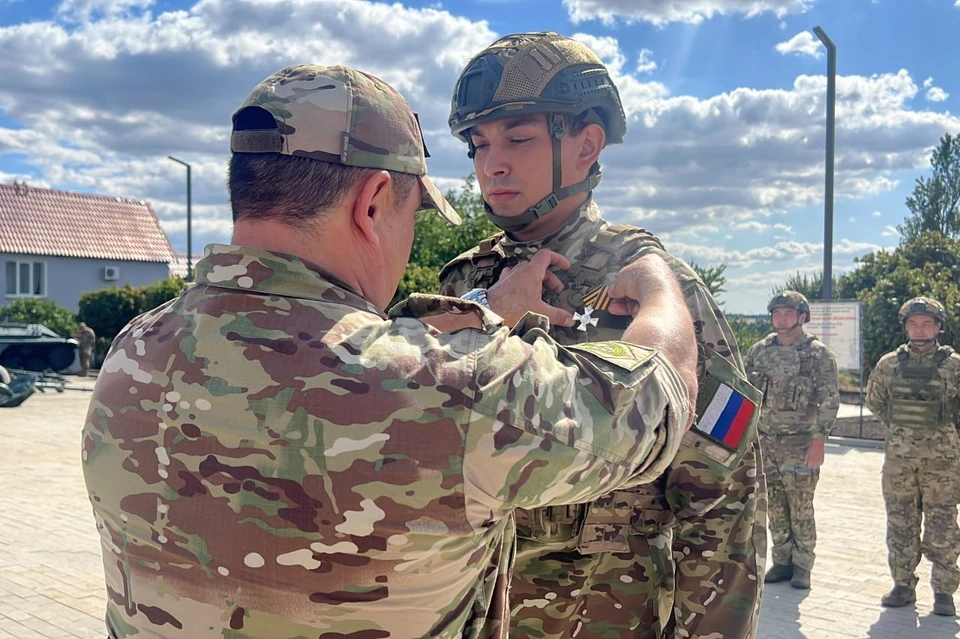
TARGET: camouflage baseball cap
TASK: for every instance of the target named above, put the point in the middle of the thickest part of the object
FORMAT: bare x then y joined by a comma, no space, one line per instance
923,306
336,114
790,299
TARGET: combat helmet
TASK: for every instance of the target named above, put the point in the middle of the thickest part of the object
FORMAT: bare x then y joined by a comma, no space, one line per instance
923,306
540,72
790,299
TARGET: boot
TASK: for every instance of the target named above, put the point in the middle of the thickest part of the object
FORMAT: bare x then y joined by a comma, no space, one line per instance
898,597
778,573
943,605
801,578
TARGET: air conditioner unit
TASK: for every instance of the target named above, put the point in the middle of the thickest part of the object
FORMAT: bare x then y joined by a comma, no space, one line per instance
111,273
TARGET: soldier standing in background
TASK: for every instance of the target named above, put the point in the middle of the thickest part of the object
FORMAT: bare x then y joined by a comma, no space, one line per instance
914,392
684,554
798,376
88,342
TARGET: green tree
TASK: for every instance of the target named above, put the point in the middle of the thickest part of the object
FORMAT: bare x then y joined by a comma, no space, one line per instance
28,310
161,291
108,310
435,242
749,330
935,202
928,264
810,285
713,277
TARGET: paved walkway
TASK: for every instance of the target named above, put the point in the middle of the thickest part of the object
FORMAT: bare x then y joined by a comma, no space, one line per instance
51,581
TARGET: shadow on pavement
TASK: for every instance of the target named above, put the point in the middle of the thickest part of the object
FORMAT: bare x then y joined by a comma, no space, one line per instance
902,623
787,601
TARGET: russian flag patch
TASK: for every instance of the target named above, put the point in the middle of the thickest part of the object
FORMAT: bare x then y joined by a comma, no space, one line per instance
724,414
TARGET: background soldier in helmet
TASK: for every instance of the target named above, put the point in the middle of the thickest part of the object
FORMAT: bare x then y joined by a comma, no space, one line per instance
915,393
535,111
798,377
88,342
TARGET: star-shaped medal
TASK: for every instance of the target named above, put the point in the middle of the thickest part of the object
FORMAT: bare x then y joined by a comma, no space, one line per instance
584,318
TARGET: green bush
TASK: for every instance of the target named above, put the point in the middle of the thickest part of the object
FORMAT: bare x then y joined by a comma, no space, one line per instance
46,312
108,310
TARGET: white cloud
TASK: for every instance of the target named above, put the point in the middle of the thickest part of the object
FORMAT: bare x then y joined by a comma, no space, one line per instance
644,63
877,214
785,251
802,44
659,12
890,231
104,102
83,10
934,94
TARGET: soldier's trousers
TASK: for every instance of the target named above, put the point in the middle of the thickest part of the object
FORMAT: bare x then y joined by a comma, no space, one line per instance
86,359
790,489
915,488
559,593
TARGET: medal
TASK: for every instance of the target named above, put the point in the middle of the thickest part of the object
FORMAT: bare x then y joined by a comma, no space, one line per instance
585,319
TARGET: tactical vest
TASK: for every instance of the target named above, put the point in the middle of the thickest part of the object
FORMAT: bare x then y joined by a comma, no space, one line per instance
611,247
792,393
605,524
918,393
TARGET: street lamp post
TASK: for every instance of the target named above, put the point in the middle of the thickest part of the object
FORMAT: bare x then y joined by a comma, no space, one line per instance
828,179
189,237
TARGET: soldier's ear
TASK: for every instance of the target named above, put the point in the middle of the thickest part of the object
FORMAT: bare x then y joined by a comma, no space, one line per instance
371,204
591,140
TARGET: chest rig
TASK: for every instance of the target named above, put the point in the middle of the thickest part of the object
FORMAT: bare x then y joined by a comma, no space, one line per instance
918,398
605,524
785,376
601,258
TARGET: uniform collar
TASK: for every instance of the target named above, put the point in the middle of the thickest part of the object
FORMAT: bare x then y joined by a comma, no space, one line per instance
261,272
568,240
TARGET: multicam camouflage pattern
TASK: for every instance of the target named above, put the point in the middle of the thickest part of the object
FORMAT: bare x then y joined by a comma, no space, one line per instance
790,299
88,342
341,115
268,455
689,559
923,306
801,398
790,490
536,72
921,470
799,382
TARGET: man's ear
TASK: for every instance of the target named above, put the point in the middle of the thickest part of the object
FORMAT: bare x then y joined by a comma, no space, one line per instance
371,203
591,139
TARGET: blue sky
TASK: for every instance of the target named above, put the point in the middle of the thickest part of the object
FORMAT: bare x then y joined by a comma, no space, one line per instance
725,99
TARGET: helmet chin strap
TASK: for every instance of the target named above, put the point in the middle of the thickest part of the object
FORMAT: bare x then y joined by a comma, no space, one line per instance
513,224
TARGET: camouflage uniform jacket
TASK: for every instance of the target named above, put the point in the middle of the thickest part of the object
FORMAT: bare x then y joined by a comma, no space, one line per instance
799,384
87,338
267,455
712,496
937,439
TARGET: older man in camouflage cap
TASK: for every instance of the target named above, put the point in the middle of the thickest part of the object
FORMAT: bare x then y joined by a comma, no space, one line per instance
685,553
915,393
270,455
798,376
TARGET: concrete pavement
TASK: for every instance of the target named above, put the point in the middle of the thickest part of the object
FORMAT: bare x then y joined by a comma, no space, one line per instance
51,583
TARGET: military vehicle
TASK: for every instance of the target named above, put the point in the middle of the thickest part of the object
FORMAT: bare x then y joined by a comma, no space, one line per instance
34,347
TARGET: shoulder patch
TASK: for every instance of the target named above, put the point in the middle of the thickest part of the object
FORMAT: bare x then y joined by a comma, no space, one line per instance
620,354
723,413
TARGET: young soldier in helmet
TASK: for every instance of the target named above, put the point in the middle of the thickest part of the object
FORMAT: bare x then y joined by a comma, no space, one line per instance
798,376
915,393
535,110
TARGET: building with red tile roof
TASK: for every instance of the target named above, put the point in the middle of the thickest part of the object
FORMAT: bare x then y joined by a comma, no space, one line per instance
58,244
